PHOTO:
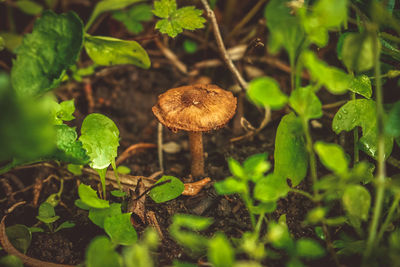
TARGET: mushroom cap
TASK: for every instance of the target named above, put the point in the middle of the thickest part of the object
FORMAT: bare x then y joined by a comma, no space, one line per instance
195,108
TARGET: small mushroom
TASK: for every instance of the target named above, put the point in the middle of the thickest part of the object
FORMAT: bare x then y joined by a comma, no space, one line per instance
195,109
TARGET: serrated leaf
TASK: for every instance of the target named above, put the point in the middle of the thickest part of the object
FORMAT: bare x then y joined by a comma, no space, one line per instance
29,7
89,197
332,156
164,8
134,16
357,201
107,5
362,113
291,158
168,190
265,92
119,228
175,20
108,51
304,101
46,53
100,139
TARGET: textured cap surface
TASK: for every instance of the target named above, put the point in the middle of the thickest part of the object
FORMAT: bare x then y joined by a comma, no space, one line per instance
195,108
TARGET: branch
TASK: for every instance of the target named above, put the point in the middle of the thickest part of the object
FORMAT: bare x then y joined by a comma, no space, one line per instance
221,46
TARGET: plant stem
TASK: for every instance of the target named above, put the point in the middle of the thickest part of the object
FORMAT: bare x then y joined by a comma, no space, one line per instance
221,46
381,172
355,135
303,193
388,219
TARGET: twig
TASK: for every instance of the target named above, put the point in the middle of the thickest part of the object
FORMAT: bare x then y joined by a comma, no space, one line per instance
221,46
171,56
132,150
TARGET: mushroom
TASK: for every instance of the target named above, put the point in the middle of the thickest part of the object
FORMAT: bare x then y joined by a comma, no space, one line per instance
196,109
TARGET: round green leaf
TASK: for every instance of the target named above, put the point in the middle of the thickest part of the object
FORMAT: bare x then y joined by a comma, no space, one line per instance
392,126
357,201
304,101
332,156
220,252
90,198
265,92
108,51
309,249
119,228
20,237
168,190
271,188
100,138
101,253
231,185
11,261
98,216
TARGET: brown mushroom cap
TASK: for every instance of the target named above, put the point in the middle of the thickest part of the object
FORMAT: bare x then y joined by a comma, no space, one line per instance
195,108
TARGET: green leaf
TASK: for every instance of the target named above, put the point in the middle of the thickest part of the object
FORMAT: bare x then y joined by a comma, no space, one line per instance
362,113
279,236
98,216
133,17
75,169
256,166
357,201
392,125
265,92
190,46
79,203
123,169
67,108
11,261
68,148
335,80
191,222
309,249
108,51
164,8
332,156
29,7
236,169
100,139
285,29
304,101
141,254
361,85
358,51
46,53
271,188
316,215
65,225
220,252
101,253
263,207
230,186
2,43
118,193
47,213
291,158
107,5
11,40
119,228
167,191
175,20
90,198
20,237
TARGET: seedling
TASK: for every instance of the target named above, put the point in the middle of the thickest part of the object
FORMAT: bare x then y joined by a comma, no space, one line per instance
48,216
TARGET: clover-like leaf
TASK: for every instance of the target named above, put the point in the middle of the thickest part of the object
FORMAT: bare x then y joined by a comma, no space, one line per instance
45,55
175,20
108,51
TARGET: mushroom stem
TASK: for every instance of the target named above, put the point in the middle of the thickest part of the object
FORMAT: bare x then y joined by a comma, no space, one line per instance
196,151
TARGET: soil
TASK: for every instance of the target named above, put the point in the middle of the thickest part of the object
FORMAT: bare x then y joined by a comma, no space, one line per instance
126,95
